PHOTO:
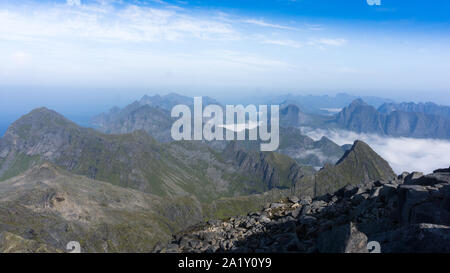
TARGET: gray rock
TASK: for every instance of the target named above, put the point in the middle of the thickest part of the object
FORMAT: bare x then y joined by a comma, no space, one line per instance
294,199
387,191
306,201
410,196
342,239
446,170
295,213
375,192
307,220
403,176
417,238
276,205
433,179
411,177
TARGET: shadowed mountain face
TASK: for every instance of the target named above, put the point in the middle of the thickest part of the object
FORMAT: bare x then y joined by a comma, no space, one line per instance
292,115
153,120
428,108
150,113
319,104
363,118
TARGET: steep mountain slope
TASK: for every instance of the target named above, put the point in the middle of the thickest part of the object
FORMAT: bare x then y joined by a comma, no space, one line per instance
425,108
291,115
153,120
275,170
363,118
359,164
133,160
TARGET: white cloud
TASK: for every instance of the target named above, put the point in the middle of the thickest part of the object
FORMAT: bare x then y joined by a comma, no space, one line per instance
289,43
262,23
251,60
327,42
314,27
318,43
403,154
104,22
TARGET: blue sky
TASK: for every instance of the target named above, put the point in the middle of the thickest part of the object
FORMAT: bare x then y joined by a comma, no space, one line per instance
77,54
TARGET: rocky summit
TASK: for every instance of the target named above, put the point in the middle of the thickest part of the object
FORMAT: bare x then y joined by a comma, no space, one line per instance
410,213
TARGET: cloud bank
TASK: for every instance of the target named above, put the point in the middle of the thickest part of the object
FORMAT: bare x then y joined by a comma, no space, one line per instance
403,154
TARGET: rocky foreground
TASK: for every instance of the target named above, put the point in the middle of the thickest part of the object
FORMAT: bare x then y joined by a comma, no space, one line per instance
408,214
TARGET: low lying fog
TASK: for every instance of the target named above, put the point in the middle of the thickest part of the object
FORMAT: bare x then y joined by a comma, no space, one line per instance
403,154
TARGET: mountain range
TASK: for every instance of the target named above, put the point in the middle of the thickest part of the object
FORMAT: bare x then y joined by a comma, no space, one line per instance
316,104
361,117
52,171
152,114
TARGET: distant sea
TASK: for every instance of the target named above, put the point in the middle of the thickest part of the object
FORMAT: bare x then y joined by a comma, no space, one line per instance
80,120
3,128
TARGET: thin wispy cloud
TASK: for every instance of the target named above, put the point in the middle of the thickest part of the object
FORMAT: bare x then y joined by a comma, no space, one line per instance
263,23
104,22
314,27
250,60
289,43
318,43
327,42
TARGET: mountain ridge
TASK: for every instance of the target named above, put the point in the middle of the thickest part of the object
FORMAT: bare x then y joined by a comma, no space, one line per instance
363,118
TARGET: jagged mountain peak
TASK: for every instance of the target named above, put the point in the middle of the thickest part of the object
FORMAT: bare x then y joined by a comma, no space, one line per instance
362,155
359,148
359,145
358,102
358,165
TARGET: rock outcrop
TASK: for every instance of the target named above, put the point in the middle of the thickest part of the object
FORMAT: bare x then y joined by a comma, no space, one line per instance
413,217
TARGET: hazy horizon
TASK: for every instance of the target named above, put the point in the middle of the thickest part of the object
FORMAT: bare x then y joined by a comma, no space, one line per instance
82,57
399,49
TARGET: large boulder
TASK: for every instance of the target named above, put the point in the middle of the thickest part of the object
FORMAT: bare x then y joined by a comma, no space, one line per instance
342,239
416,238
